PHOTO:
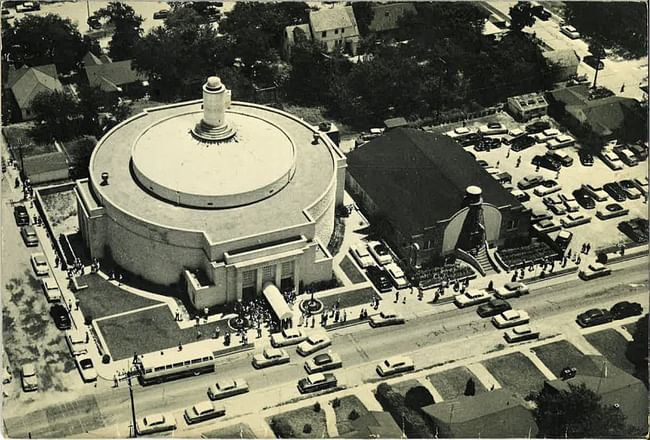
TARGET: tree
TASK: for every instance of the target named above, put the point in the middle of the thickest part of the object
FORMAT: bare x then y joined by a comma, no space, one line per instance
128,29
598,51
577,413
363,13
417,397
521,15
637,350
59,116
415,425
92,101
37,40
470,387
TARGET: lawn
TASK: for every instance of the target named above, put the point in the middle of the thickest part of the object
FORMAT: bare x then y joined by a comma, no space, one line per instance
347,404
351,270
631,328
559,355
613,346
17,135
239,430
152,330
451,383
297,420
102,298
350,299
516,372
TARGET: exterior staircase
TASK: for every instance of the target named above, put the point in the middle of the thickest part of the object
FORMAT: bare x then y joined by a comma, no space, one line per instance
484,261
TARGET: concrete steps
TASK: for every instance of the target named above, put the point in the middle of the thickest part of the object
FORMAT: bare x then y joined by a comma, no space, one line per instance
484,261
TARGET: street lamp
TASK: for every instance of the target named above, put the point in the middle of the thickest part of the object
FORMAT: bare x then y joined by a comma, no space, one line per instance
132,372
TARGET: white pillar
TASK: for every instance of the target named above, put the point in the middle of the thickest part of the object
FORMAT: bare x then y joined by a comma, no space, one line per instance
214,102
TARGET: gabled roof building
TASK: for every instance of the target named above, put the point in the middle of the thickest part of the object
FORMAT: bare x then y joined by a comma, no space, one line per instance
27,82
112,76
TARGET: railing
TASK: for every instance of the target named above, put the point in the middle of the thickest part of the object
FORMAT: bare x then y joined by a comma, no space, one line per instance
469,259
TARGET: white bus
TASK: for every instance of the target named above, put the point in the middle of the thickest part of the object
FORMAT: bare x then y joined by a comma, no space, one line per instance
174,362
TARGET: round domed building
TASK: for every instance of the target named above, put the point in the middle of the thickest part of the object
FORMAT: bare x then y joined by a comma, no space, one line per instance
227,196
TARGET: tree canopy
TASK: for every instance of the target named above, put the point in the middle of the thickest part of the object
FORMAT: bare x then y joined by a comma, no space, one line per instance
128,29
364,14
57,116
521,16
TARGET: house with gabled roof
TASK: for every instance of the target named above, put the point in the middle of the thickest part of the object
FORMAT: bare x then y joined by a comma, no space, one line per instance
113,76
386,16
27,82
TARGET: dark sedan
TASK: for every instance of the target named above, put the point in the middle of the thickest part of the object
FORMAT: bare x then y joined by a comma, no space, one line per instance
584,199
625,309
586,158
60,316
380,279
493,307
615,190
522,143
594,317
538,127
546,162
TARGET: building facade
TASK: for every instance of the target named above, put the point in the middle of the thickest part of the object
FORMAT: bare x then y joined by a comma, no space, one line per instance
528,106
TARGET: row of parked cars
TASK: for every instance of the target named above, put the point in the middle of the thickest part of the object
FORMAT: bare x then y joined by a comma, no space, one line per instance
616,155
620,310
381,268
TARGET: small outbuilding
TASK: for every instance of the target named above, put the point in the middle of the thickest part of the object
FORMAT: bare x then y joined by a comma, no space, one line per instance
47,167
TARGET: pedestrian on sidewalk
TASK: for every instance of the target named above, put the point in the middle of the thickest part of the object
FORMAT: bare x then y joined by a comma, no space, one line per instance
404,300
345,316
396,297
623,88
259,332
116,383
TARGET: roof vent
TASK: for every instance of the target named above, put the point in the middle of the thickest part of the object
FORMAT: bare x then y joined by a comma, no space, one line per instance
104,178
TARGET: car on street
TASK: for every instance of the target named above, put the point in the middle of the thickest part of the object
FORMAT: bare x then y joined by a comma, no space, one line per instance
575,219
625,309
323,362
203,411
630,189
472,297
21,215
28,377
584,199
522,143
313,343
271,356
530,181
521,333
537,127
547,187
594,270
39,263
593,62
155,423
385,318
317,382
492,128
227,388
397,276
544,161
395,365
520,195
77,340
493,307
512,289
380,252
586,158
570,32
29,236
594,317
50,289
61,318
615,190
288,336
86,368
361,254
379,278
511,318
611,210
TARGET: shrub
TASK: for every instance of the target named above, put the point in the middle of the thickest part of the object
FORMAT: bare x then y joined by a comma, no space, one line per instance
336,403
470,388
317,407
106,358
354,414
417,397
282,428
307,428
415,426
88,320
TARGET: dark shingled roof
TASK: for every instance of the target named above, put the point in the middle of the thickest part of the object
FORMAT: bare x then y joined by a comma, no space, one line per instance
27,82
109,76
44,163
417,178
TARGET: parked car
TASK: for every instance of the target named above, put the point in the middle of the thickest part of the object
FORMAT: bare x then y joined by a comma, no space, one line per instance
380,252
379,278
530,181
593,62
544,161
538,126
323,362
541,13
563,239
28,377
546,226
612,210
313,343
612,160
511,318
470,139
561,141
547,187
586,158
615,190
642,185
575,219
493,128
155,423
317,382
597,193
640,151
564,159
395,365
584,199
594,317
397,276
493,307
77,341
570,32
521,333
520,195
287,336
545,135
86,368
160,15
203,411
458,132
512,289
537,216
635,229
21,215
271,356
594,270
361,254
570,202
522,143
51,289
625,309
630,189
557,209
626,156
227,388
61,318
39,263
29,236
472,298
385,318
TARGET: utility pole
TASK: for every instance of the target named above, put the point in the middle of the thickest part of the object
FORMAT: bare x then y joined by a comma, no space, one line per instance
134,371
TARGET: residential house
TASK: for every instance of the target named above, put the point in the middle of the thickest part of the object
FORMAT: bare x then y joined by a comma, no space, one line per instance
386,16
563,63
114,76
495,414
335,28
46,167
373,424
528,106
27,82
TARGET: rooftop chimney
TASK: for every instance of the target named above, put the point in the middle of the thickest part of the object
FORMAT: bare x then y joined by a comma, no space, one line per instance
216,99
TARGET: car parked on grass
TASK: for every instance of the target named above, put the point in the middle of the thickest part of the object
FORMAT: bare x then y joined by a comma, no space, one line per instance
395,365
317,382
203,411
530,181
594,270
379,278
615,190
511,318
630,189
584,199
612,210
29,236
547,187
625,309
227,388
323,362
570,32
61,318
544,161
288,336
586,158
21,215
575,219
520,333
155,423
50,289
28,377
271,356
472,297
39,263
313,343
86,368
493,307
512,289
594,317
361,254
385,318
397,276
381,252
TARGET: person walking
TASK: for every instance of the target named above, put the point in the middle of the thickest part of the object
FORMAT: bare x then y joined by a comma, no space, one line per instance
396,297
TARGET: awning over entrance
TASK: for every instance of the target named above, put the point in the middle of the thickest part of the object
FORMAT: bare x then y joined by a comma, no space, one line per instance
276,300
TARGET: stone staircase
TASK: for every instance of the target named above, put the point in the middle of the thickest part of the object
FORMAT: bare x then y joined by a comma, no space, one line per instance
484,261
